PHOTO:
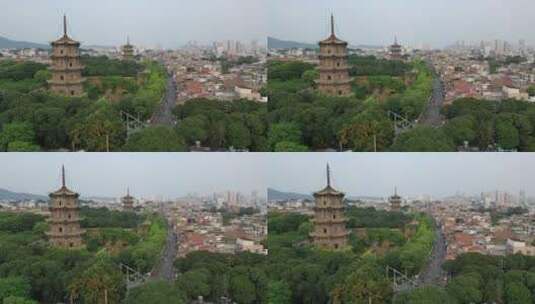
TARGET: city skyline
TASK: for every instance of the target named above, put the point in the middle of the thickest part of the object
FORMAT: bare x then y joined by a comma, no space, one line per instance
414,174
166,23
166,175
436,23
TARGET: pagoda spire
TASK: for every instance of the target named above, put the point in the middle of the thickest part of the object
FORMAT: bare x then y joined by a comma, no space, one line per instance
332,24
64,25
328,175
396,190
127,40
63,176
127,191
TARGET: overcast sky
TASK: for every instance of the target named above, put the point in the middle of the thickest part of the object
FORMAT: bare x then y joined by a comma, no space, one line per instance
170,23
433,22
376,174
172,175
168,175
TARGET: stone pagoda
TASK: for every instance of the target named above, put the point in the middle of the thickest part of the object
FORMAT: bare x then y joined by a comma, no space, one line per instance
64,222
395,51
128,50
395,202
333,68
128,201
66,67
329,221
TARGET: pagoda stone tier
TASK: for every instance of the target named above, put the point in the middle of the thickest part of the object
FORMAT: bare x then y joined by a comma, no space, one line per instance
64,222
329,220
334,77
66,66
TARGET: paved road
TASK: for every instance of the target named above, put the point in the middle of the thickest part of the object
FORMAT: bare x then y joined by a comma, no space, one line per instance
165,269
164,113
433,273
431,116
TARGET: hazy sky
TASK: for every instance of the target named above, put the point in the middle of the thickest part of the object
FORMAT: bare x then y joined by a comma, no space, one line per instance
433,22
172,175
168,175
376,174
169,23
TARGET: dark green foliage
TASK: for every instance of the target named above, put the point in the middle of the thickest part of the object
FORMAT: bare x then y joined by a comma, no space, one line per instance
491,279
507,124
241,277
320,122
32,119
19,222
19,71
31,269
371,66
316,276
423,139
425,295
240,124
103,66
155,139
156,292
278,70
105,218
372,218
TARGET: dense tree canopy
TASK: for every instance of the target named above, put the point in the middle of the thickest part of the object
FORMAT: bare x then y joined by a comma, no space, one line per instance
33,119
303,274
31,271
362,122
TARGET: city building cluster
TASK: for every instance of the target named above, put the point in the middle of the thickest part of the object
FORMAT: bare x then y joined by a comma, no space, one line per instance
492,71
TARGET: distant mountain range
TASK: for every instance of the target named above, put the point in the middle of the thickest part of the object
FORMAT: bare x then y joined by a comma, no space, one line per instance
16,196
276,195
6,43
274,43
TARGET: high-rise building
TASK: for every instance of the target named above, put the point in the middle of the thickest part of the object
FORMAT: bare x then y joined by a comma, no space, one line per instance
395,51
329,220
127,201
64,222
333,69
395,202
66,66
128,50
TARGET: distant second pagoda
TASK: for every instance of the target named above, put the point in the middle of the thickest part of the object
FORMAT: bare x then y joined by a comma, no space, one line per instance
66,66
329,220
334,77
395,202
127,51
128,202
395,51
64,222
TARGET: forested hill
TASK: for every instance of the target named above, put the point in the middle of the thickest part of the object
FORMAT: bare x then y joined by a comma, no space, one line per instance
275,195
6,43
10,195
274,43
